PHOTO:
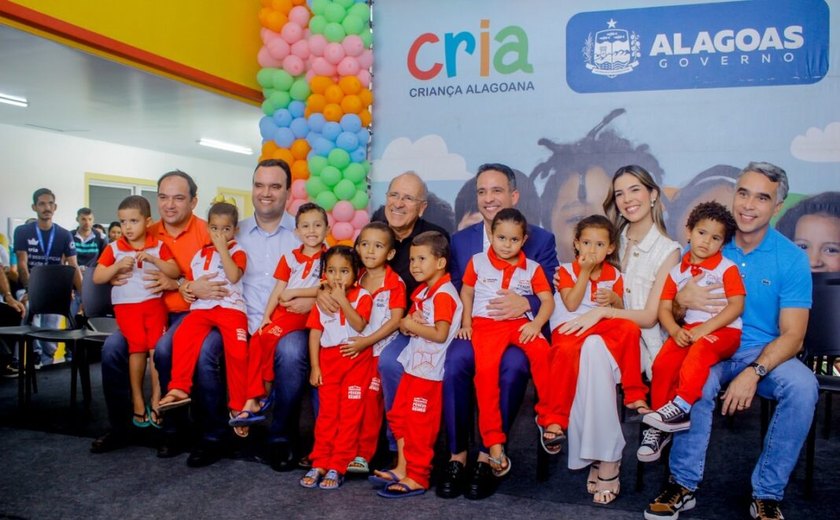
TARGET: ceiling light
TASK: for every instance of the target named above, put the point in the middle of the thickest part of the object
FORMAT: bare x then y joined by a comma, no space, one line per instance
14,100
228,147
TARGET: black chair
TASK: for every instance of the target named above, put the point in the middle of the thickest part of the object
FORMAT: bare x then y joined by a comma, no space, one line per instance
50,292
822,349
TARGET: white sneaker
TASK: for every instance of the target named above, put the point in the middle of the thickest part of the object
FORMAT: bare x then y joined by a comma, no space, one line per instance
653,441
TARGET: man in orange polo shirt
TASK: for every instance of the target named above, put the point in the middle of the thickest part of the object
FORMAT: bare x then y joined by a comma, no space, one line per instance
184,234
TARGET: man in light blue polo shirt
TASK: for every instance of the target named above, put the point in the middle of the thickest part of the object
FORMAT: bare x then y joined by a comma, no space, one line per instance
777,277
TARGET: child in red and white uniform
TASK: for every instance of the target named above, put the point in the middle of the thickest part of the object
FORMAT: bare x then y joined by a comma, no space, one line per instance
226,261
682,366
432,323
505,267
141,314
340,376
375,245
588,282
297,274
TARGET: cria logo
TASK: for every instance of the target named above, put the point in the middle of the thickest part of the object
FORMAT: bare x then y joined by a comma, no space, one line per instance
717,45
510,53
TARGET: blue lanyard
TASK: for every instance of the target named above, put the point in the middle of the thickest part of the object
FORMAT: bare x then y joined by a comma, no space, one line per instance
49,244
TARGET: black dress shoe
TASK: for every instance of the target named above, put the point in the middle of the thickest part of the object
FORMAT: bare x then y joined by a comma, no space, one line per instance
109,442
281,458
451,484
482,482
205,454
169,447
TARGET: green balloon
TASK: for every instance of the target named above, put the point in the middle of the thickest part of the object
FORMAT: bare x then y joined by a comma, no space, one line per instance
268,108
316,164
319,6
362,185
352,24
345,189
347,4
317,24
360,200
265,77
330,175
360,10
366,165
282,80
354,172
314,186
334,32
326,199
300,89
367,38
339,158
280,99
335,13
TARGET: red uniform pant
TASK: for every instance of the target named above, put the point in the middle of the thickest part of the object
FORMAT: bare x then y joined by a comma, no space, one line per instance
415,418
341,401
186,346
490,339
262,347
374,408
142,323
622,339
682,371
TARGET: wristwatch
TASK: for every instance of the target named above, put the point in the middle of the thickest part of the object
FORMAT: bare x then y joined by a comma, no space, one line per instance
760,369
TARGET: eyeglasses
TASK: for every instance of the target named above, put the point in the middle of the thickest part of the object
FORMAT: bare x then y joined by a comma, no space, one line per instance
408,199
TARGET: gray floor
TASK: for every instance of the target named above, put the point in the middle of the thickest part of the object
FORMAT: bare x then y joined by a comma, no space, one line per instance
47,472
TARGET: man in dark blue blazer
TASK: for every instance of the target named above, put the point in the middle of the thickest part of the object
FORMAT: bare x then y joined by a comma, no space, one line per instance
495,190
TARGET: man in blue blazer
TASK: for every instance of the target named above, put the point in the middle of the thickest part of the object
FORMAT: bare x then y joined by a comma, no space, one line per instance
495,190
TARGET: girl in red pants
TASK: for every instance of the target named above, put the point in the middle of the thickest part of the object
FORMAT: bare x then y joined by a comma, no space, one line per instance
339,376
504,267
226,260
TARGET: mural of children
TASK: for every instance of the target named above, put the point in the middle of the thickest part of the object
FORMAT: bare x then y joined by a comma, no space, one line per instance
814,225
714,184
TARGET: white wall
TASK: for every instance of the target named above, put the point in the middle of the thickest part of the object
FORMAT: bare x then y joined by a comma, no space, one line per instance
32,159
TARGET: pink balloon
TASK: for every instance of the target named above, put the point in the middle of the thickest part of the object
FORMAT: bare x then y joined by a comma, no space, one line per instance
300,49
349,66
295,205
278,48
330,220
366,59
342,231
310,73
317,43
360,219
353,45
299,15
356,234
268,35
334,53
291,32
265,60
299,189
364,77
343,211
322,67
293,65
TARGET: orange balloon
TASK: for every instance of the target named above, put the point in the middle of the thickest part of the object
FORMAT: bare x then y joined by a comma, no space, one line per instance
299,2
333,94
307,112
300,148
284,6
350,84
347,242
263,16
284,154
331,240
332,112
316,102
269,147
319,84
300,170
351,104
366,117
275,21
366,96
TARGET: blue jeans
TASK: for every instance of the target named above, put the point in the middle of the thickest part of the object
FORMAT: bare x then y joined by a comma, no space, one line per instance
390,372
458,396
291,376
795,390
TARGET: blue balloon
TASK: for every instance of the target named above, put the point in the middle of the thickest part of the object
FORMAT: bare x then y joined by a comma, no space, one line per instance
363,136
282,118
331,131
347,141
316,122
359,154
323,146
267,128
284,137
297,108
351,123
311,137
300,127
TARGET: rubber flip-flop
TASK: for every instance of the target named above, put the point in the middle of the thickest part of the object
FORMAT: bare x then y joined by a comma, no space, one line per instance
402,491
553,446
359,466
378,481
154,418
333,475
315,477
163,408
143,422
249,419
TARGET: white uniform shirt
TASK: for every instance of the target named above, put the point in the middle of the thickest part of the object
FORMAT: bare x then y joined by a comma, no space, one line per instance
208,261
335,329
488,274
610,279
134,290
390,296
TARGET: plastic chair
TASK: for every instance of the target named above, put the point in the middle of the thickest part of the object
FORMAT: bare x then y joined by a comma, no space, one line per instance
822,349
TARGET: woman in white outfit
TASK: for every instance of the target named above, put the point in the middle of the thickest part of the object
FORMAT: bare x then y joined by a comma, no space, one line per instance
647,254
